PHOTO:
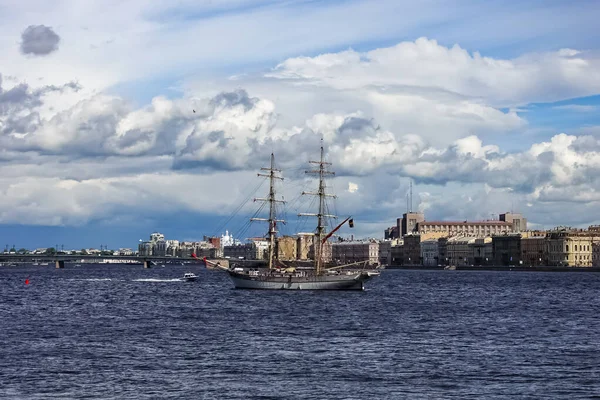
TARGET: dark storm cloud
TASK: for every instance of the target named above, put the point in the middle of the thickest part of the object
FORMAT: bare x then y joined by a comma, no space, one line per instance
39,40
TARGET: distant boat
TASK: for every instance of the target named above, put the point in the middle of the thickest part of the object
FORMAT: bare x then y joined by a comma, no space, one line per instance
189,276
44,263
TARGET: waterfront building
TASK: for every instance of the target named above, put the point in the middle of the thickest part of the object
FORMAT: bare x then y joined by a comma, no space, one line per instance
571,247
429,252
481,252
397,253
507,249
416,223
326,250
443,251
412,249
287,248
303,244
385,251
518,222
533,250
156,236
228,240
465,228
255,249
355,251
459,251
215,242
172,247
144,249
596,253
409,222
240,251
205,249
391,233
159,248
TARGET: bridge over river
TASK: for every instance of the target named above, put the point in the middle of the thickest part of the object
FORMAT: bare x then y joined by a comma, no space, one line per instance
147,261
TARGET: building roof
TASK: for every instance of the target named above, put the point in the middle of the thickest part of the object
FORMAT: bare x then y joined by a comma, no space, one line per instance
494,222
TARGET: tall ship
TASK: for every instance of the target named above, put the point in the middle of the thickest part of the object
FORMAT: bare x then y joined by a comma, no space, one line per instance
282,275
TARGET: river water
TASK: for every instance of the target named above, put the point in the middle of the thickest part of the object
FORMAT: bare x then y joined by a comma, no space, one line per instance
119,332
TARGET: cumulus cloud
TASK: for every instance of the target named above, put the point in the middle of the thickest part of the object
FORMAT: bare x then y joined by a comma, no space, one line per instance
424,63
56,201
235,131
39,40
20,104
432,130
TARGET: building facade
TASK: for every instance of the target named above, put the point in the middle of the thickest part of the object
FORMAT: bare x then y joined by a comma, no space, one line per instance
355,251
481,252
391,233
409,222
303,245
429,253
459,250
518,222
412,249
570,247
464,228
533,250
507,249
385,252
287,248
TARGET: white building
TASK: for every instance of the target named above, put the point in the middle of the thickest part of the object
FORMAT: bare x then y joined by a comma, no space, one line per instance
156,236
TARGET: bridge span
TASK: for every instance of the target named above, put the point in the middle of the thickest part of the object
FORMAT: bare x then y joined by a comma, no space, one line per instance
146,261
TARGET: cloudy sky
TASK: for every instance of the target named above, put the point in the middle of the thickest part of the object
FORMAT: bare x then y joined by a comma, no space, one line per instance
119,118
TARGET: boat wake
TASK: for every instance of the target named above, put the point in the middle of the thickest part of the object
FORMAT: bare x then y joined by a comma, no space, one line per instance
158,280
92,279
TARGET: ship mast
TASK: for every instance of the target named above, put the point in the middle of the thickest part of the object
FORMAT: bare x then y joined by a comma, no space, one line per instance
272,220
321,216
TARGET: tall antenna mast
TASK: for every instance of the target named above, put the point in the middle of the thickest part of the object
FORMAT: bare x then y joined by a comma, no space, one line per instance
321,216
272,202
411,202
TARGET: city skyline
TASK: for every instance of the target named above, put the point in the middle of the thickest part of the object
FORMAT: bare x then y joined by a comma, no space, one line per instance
120,121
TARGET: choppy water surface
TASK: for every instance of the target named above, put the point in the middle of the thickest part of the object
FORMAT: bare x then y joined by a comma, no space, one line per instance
102,331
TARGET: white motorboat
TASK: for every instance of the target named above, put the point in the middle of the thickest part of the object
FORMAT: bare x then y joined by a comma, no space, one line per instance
189,276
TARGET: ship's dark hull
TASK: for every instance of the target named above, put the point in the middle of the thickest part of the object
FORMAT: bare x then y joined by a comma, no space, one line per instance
354,281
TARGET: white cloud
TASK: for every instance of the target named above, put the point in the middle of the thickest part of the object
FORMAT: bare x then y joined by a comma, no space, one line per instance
112,147
426,64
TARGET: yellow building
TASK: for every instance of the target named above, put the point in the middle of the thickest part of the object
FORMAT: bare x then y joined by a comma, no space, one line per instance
287,248
303,245
571,248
